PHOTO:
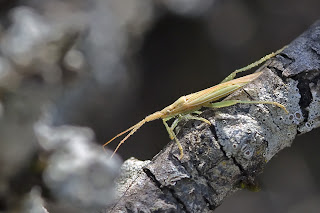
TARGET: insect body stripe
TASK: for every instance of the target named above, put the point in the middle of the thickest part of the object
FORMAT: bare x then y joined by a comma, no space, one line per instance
209,97
219,91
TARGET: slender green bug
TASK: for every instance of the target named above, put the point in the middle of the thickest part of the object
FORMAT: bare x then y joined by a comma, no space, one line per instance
188,104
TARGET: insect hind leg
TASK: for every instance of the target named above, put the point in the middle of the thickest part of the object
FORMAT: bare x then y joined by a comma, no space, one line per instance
227,103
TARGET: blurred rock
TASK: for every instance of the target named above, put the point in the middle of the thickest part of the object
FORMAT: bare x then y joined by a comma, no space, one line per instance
22,42
9,78
188,7
35,45
79,173
34,202
74,60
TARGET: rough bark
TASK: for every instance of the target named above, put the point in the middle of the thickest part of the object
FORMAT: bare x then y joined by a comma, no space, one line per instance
223,158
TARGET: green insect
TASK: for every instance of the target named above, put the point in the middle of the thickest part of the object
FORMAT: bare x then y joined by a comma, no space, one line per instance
185,106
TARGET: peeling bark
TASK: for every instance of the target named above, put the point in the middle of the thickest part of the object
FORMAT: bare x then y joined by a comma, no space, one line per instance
223,158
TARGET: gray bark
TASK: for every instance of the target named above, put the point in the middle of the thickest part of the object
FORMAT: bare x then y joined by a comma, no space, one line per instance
223,158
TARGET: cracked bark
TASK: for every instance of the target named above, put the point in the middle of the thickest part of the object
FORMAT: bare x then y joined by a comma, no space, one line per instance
223,158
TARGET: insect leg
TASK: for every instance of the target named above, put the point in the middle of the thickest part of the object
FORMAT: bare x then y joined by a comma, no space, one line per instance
189,117
172,135
197,112
175,122
233,102
170,130
250,66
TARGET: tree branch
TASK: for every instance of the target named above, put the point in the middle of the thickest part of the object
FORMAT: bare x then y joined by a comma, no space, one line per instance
222,158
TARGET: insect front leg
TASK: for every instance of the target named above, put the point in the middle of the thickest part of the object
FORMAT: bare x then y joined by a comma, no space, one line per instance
175,122
172,135
170,130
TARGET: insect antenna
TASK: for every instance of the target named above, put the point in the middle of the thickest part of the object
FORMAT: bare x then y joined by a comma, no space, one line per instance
133,130
118,135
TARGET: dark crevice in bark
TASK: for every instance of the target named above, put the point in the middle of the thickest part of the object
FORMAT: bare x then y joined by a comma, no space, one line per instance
278,72
306,98
286,60
214,132
242,170
304,90
153,178
200,174
164,189
210,206
314,50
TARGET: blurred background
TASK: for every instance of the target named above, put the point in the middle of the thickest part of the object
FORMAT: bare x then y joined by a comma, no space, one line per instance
74,73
